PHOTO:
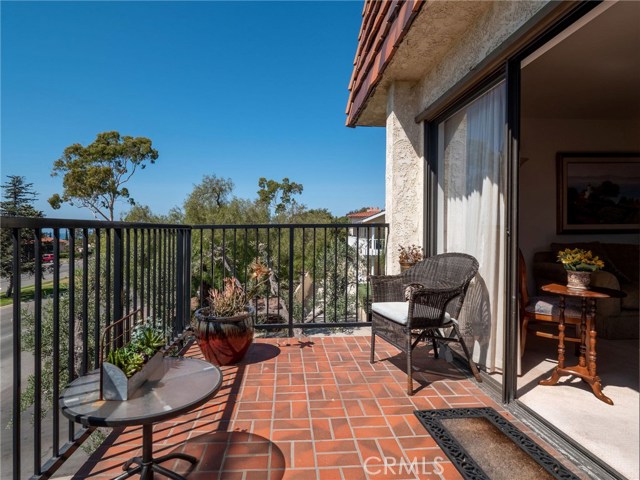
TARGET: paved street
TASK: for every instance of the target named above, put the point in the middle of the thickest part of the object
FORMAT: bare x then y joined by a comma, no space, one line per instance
27,280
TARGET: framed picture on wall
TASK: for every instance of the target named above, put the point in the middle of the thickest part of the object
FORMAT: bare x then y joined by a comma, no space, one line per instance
598,192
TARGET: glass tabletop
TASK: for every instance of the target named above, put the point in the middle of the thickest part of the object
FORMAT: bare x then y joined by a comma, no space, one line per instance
178,386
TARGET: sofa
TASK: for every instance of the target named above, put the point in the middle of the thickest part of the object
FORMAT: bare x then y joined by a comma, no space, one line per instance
615,318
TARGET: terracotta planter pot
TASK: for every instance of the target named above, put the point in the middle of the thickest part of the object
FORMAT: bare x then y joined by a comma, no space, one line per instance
223,340
578,280
405,266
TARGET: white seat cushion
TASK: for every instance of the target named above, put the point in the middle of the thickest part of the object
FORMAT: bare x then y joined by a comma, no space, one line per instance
399,311
396,311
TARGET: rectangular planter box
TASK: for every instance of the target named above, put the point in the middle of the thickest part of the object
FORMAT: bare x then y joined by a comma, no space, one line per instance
116,385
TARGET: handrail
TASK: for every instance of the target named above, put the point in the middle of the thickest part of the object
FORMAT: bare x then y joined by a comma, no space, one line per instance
291,225
46,222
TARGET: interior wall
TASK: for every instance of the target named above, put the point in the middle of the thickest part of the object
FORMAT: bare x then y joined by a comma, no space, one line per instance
541,140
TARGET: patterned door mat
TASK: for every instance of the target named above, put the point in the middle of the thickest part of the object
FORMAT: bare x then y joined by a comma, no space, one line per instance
482,444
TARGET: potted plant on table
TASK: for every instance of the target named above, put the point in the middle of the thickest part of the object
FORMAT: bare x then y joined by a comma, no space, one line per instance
126,368
579,264
224,329
409,256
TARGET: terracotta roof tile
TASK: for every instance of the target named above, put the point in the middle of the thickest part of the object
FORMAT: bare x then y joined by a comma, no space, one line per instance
384,25
365,214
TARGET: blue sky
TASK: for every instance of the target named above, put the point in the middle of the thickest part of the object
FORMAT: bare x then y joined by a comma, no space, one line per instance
237,89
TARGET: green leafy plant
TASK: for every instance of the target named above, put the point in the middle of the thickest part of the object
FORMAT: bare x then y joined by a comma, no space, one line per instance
579,260
147,339
126,360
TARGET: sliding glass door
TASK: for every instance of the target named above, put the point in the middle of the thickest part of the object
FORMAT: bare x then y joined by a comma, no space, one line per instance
471,215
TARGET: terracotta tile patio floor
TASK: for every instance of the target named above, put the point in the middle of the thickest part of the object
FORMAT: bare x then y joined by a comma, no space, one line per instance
311,408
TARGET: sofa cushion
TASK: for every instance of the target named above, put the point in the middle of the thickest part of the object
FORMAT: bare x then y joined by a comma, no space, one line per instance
626,257
549,305
632,300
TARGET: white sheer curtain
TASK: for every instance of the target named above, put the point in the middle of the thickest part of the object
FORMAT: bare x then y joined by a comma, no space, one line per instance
471,215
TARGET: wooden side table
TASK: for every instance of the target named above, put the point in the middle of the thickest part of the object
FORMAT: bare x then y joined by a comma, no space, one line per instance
586,368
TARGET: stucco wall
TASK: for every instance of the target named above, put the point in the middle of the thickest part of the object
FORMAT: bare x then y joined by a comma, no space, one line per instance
405,100
485,35
404,209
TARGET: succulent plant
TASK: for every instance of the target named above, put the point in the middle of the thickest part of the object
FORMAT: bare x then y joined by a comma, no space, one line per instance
146,340
126,360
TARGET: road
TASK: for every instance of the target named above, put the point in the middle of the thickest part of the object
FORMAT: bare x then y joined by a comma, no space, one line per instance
27,280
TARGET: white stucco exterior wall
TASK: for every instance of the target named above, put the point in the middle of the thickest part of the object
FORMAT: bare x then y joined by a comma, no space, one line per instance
489,31
404,172
405,162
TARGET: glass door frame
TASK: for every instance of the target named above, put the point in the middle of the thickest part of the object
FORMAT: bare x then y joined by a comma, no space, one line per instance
509,71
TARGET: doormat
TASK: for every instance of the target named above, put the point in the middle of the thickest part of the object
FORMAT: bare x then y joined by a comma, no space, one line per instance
482,444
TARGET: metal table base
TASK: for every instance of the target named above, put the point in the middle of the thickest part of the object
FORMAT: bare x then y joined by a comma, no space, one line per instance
147,464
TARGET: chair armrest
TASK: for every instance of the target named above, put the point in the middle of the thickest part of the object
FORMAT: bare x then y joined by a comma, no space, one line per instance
387,288
428,306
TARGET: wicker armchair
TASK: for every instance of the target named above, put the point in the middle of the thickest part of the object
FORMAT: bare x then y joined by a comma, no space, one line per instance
420,301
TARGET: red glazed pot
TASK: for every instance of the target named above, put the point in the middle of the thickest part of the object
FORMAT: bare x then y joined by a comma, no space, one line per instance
223,340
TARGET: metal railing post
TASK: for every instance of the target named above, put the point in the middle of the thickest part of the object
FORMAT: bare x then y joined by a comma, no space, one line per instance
17,356
186,280
180,264
291,250
118,279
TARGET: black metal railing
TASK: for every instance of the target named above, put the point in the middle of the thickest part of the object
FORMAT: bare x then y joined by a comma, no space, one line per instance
319,271
88,274
100,271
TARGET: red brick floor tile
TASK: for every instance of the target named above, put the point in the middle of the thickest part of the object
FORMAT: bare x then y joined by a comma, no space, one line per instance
318,410
377,432
353,473
330,474
299,434
321,428
303,455
340,428
323,446
340,458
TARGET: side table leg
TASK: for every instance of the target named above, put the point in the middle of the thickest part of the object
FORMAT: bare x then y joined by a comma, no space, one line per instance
555,376
147,452
561,328
167,473
129,473
592,339
596,384
583,334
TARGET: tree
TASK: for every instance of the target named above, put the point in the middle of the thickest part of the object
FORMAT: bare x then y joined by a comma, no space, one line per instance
143,214
278,196
95,175
18,202
211,194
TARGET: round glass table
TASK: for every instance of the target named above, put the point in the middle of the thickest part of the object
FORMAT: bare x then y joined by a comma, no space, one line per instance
175,388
